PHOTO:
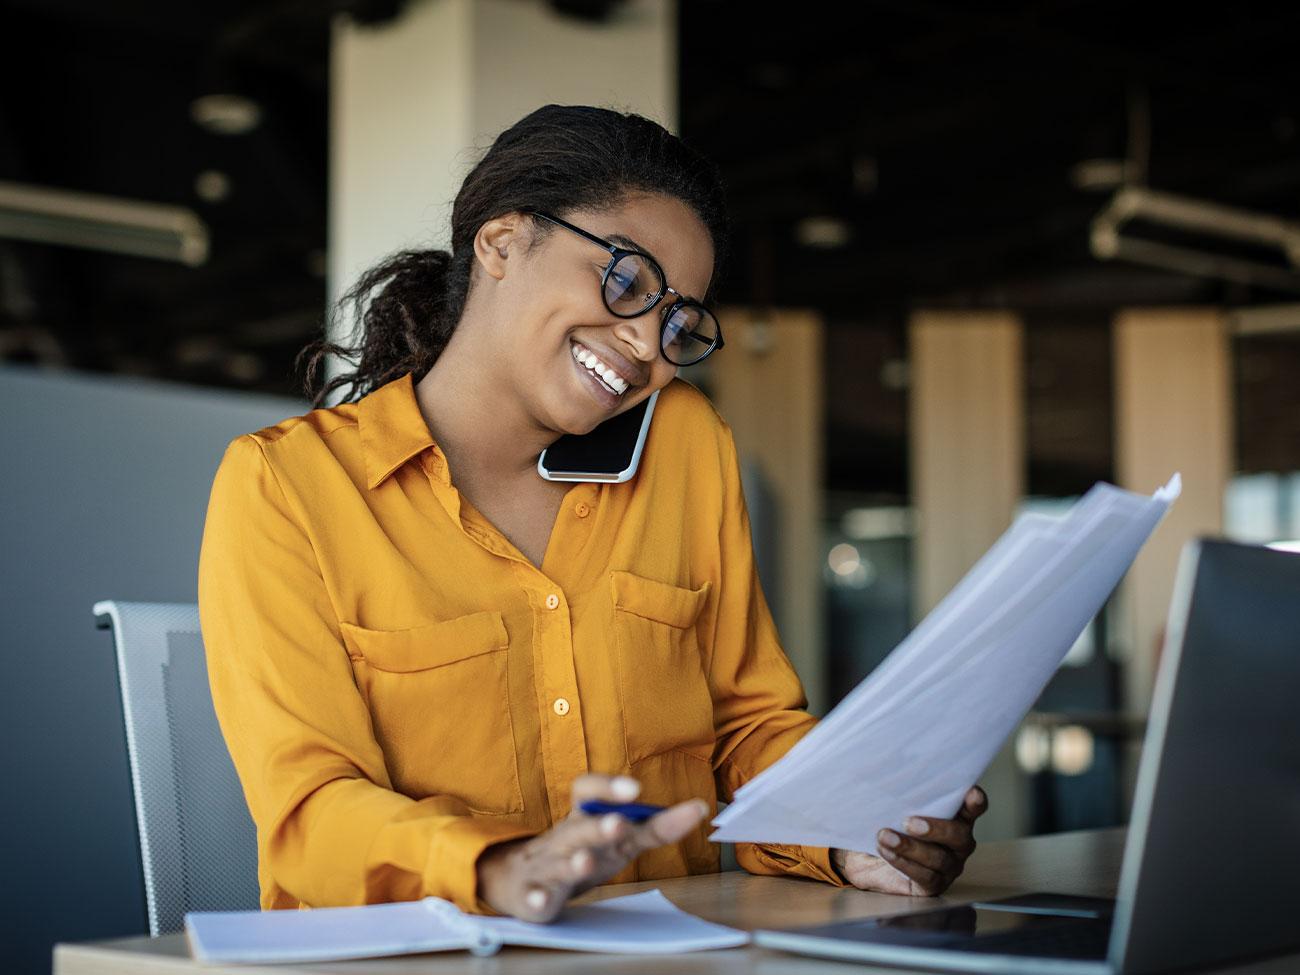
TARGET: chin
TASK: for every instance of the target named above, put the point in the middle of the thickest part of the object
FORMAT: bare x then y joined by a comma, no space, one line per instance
576,423
579,418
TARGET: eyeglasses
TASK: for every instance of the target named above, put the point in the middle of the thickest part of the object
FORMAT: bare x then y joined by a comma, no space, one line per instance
633,283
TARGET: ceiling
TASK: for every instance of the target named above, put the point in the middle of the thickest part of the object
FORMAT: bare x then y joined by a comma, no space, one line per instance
940,140
945,138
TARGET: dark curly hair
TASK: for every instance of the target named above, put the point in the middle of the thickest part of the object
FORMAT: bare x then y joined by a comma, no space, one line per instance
558,158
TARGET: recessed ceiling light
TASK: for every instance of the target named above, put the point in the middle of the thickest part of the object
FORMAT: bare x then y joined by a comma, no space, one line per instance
212,186
822,232
226,114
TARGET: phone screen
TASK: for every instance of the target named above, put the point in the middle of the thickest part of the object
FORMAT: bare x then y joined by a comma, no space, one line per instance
605,452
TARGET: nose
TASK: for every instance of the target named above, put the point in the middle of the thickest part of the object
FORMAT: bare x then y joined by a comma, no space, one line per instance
642,333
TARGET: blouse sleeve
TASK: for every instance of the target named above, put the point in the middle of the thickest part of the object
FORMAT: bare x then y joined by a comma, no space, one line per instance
759,703
331,830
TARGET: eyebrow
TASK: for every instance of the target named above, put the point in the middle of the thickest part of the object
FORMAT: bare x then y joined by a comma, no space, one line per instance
627,241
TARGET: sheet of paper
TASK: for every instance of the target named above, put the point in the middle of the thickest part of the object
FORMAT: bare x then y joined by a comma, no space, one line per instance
917,733
645,923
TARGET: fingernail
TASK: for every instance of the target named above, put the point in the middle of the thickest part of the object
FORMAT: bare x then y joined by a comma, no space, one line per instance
702,806
609,823
579,860
625,787
536,899
917,827
889,838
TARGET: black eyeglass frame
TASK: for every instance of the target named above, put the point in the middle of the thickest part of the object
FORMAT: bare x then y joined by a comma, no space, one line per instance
616,254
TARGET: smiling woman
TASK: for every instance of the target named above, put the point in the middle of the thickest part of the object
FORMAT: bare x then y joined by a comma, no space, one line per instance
425,657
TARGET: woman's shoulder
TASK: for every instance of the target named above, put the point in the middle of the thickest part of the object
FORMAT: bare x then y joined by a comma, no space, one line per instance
685,404
302,442
689,418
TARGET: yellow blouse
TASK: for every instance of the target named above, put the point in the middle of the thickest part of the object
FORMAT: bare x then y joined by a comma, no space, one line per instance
399,687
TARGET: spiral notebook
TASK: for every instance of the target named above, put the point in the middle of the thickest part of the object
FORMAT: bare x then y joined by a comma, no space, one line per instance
646,923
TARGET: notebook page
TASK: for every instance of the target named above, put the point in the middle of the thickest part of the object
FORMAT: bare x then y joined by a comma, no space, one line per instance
645,923
321,933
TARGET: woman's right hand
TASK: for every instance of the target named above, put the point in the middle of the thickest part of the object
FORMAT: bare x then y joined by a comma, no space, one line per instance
533,878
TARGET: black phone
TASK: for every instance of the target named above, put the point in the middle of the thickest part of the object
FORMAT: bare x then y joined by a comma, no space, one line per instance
609,452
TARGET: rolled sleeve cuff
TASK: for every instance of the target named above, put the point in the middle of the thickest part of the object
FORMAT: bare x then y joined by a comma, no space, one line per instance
778,859
452,871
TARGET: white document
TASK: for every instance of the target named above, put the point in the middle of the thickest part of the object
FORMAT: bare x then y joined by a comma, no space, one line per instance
917,733
646,923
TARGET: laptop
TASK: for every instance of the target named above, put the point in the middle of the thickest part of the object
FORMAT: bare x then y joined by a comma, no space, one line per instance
1211,868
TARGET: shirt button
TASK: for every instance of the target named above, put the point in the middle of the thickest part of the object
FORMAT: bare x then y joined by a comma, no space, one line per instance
552,601
561,706
582,509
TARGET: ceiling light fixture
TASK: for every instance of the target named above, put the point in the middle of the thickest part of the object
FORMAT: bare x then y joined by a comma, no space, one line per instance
1197,216
104,223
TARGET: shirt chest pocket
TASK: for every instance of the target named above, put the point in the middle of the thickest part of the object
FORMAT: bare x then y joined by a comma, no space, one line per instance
664,693
439,701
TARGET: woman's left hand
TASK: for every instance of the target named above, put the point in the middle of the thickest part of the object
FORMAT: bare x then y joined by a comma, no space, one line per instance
911,865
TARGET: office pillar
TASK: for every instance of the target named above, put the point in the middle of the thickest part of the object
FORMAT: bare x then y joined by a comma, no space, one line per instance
416,101
767,384
967,440
967,458
1173,412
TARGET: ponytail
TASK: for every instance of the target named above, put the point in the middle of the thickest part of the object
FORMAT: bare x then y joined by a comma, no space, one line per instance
402,306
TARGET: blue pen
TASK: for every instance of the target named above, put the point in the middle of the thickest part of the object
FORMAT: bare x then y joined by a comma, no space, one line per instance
638,812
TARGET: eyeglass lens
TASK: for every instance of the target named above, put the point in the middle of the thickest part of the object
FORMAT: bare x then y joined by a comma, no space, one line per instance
631,287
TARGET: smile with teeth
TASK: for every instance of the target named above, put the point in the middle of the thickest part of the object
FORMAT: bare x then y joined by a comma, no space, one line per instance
606,376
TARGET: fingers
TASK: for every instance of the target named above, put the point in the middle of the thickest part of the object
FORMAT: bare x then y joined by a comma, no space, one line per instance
551,876
610,788
672,824
576,853
581,831
952,833
609,841
924,864
931,855
614,840
581,851
974,805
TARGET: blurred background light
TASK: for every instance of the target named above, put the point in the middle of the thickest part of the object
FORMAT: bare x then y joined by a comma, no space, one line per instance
828,232
226,114
1072,748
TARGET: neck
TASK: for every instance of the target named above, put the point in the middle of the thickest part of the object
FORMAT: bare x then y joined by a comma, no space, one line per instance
484,432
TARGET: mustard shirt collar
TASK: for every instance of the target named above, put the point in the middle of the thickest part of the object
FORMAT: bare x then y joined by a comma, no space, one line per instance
393,429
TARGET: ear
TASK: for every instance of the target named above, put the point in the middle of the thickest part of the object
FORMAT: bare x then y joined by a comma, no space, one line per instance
500,239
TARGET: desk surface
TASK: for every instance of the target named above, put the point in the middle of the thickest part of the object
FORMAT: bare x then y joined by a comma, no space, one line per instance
1084,862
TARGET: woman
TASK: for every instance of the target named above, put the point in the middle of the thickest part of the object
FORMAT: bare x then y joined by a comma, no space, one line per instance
423,655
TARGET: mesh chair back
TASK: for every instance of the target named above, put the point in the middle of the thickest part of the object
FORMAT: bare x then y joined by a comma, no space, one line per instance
198,845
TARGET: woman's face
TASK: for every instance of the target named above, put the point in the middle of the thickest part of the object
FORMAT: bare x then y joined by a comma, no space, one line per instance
551,319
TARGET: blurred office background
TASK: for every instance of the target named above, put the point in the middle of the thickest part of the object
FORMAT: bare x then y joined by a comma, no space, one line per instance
985,258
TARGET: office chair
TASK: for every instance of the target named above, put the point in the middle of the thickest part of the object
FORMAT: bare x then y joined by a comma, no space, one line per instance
198,845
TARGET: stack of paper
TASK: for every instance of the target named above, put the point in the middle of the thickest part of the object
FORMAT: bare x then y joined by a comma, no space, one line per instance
646,923
914,736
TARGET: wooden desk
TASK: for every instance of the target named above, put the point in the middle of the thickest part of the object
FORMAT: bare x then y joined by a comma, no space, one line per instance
1083,862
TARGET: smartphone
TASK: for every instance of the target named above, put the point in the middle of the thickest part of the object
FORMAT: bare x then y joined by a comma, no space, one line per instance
610,452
